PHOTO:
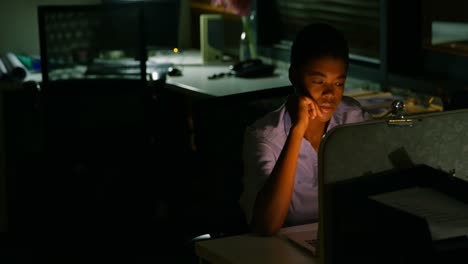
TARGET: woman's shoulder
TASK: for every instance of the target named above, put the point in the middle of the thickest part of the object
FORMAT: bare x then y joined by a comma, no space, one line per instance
349,103
350,111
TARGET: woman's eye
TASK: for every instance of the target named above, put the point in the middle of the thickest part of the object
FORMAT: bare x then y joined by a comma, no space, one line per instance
339,84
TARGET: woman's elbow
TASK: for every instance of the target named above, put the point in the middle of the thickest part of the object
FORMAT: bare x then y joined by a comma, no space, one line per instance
265,229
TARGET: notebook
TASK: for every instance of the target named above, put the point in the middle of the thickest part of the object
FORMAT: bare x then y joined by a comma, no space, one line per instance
304,236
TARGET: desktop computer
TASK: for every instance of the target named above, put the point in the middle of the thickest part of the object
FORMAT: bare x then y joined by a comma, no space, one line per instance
211,37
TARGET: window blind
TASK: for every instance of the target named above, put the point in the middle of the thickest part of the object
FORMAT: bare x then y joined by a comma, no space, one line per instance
358,20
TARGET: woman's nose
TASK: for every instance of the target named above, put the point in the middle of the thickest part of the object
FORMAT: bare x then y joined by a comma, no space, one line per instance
328,89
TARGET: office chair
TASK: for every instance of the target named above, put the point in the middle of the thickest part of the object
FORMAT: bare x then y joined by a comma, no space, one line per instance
97,133
217,212
220,124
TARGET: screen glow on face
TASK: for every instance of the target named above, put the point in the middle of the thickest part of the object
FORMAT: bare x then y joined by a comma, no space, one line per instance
323,79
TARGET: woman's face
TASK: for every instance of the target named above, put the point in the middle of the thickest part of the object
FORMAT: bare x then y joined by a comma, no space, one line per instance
323,80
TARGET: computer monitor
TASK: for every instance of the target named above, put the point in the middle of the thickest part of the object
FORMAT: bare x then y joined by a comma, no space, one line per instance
74,37
107,40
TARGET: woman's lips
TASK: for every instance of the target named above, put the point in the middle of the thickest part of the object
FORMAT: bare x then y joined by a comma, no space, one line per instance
327,108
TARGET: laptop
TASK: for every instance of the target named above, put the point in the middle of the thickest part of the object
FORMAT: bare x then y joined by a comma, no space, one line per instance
363,210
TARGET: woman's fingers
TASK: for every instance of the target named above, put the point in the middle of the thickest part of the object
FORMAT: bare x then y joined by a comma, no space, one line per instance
304,107
319,113
314,110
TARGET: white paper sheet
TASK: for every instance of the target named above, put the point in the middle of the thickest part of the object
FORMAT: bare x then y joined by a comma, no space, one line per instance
446,216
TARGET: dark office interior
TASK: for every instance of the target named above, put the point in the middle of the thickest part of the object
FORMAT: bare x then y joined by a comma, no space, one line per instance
134,168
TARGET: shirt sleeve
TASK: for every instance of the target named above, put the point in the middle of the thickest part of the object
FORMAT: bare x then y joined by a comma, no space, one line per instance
355,112
366,115
259,160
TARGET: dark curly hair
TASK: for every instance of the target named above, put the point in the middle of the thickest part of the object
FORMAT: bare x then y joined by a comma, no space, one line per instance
318,40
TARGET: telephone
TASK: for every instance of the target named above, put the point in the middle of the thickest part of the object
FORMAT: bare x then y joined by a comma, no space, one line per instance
252,68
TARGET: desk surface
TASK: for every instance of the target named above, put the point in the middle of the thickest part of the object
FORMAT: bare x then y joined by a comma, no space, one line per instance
250,248
195,76
195,79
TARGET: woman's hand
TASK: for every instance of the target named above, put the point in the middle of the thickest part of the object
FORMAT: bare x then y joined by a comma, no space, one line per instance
302,109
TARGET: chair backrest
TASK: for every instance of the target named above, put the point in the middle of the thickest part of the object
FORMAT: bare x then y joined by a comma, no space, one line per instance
219,134
94,97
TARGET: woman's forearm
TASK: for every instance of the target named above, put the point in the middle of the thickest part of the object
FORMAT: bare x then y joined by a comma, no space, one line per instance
273,201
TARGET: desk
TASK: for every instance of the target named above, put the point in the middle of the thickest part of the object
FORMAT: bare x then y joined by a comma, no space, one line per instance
195,76
194,79
250,248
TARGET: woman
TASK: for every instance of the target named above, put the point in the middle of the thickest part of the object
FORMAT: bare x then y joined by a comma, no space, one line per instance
280,149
